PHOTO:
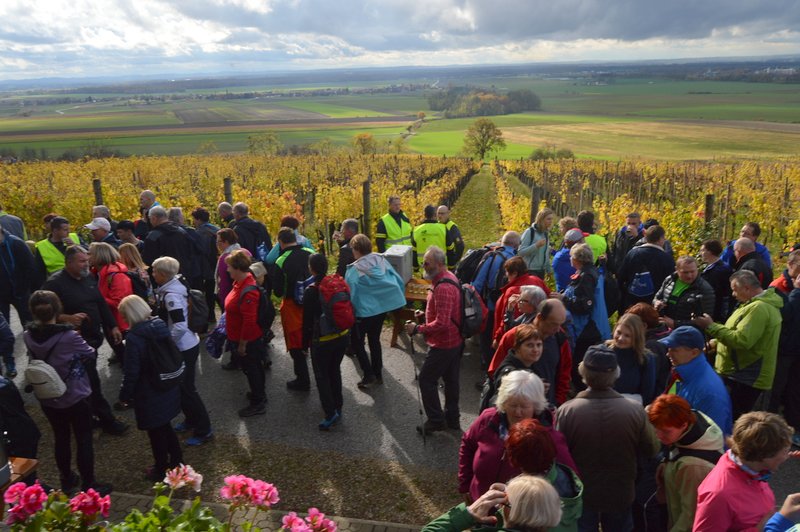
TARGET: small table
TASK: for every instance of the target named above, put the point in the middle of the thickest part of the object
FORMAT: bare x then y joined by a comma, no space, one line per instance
20,469
416,290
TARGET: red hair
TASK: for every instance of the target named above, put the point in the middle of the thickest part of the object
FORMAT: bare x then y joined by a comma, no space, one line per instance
670,411
530,447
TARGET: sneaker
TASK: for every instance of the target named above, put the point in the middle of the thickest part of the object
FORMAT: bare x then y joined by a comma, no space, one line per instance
70,485
796,439
196,441
116,428
298,386
11,373
101,488
431,426
366,382
253,410
182,427
326,424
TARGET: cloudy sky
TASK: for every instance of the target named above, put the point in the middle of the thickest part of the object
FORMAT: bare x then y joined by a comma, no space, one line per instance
75,38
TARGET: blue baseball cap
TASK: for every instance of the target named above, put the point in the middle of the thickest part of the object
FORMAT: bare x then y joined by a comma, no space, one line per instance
685,336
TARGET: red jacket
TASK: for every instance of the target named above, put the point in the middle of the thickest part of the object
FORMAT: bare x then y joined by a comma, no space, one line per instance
562,380
114,285
241,320
443,313
509,290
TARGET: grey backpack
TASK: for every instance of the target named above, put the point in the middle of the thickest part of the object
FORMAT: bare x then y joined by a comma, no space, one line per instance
43,378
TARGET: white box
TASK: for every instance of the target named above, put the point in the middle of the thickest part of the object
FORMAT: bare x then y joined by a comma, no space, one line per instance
401,259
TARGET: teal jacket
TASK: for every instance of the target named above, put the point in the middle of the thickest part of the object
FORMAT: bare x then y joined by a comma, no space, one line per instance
747,345
537,259
375,286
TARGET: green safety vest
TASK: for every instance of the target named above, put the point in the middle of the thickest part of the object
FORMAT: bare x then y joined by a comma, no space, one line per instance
396,234
429,234
51,255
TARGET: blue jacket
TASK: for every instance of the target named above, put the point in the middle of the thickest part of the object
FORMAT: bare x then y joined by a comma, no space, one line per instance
487,275
562,269
375,286
153,407
704,390
730,259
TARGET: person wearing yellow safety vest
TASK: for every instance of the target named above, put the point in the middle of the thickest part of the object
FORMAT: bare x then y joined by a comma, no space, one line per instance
49,257
393,227
454,234
430,233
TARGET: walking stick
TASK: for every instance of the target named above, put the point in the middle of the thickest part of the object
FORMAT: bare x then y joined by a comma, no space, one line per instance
419,391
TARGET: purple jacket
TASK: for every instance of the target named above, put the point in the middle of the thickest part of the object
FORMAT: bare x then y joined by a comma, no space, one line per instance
224,281
67,352
482,460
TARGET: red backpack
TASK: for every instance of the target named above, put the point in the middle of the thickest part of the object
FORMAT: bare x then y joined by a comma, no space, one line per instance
337,310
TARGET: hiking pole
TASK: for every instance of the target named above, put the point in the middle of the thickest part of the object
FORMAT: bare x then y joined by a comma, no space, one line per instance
419,391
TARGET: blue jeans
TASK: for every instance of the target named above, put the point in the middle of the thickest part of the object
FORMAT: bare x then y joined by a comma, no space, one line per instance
612,522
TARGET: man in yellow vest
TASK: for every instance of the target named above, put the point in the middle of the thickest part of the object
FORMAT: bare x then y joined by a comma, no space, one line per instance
454,234
393,227
430,233
49,257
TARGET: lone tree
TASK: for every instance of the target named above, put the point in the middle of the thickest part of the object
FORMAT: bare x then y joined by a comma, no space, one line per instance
483,137
365,144
264,144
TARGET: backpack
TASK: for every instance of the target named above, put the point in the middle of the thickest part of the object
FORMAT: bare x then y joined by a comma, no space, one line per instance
300,289
137,284
266,310
491,291
216,339
473,314
338,314
610,292
166,366
642,285
197,319
43,378
467,267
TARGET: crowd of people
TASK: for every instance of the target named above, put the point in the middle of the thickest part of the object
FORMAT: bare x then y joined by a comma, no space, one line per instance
623,386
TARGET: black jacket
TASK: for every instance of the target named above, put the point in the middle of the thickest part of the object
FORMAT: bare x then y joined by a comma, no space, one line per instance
345,257
17,268
753,262
789,344
207,233
643,258
252,234
697,299
718,275
170,240
291,270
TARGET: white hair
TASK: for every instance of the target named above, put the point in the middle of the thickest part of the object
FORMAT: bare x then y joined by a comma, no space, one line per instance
521,383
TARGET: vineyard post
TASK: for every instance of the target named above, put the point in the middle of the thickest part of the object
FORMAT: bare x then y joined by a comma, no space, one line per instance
536,200
709,212
97,185
366,207
228,189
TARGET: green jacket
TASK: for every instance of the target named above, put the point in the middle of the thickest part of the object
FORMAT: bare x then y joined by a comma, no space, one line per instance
457,519
570,490
747,345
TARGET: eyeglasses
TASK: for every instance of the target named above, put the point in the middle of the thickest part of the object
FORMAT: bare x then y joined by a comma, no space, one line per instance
520,301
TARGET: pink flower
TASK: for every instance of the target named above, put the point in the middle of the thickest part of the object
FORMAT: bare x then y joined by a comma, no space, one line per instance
291,522
183,475
14,492
33,498
262,494
90,503
16,514
236,489
318,522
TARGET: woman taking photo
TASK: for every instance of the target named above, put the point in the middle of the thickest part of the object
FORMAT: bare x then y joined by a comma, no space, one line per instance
244,334
637,365
65,350
535,245
172,298
482,459
154,408
518,276
113,284
375,289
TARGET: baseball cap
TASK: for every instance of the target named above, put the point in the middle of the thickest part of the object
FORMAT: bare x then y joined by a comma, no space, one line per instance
99,223
600,358
573,235
685,336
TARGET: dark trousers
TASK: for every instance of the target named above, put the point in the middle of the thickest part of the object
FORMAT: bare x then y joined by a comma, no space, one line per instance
611,522
192,405
786,391
444,364
300,365
21,306
326,359
743,397
100,407
211,299
166,447
486,342
253,367
370,328
76,419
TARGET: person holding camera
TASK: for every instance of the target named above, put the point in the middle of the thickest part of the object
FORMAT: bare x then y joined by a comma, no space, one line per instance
684,295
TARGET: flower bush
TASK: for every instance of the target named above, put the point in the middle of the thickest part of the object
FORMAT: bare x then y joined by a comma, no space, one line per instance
34,510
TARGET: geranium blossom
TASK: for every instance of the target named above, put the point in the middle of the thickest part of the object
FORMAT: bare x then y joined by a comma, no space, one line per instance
183,475
90,504
292,523
27,501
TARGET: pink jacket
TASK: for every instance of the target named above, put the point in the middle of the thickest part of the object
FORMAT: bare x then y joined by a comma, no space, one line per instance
732,499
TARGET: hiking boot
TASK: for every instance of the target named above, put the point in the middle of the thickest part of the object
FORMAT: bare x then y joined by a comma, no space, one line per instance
253,410
196,441
116,428
431,426
327,423
367,381
101,488
298,385
70,485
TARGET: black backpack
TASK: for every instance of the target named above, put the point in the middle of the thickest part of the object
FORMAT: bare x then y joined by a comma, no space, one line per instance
197,320
266,310
491,288
467,267
139,288
166,366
